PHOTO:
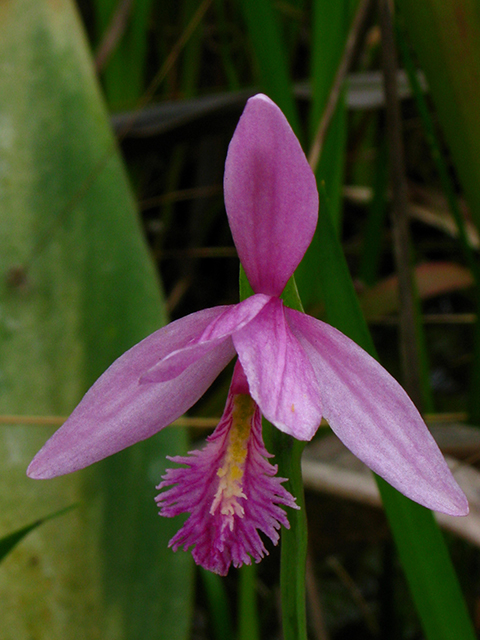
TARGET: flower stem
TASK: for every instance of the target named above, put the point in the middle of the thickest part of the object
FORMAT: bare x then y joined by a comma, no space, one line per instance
288,454
294,543
248,623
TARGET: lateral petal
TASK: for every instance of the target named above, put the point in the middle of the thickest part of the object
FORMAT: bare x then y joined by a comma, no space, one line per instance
270,195
228,320
280,376
374,417
118,411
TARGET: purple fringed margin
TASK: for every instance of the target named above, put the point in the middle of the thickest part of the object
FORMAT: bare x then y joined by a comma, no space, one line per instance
220,540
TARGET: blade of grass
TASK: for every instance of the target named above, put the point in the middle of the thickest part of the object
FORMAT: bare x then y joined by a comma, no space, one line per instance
410,327
248,622
329,34
229,67
331,22
124,72
113,34
446,38
376,217
295,14
288,453
437,154
449,191
218,604
425,560
8,542
323,106
269,51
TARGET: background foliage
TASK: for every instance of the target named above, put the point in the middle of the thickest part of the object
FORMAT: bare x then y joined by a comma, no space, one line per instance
94,258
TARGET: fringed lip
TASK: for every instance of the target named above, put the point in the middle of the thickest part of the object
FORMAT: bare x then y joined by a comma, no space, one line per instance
230,490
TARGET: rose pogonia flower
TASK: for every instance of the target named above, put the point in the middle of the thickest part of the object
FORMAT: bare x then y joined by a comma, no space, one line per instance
292,368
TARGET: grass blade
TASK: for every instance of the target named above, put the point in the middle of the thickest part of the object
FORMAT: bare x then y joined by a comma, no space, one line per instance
269,50
8,542
425,560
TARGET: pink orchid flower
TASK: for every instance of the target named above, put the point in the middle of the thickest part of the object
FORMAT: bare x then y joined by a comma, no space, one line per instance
291,368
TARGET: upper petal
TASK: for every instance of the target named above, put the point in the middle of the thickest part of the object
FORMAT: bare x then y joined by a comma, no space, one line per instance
231,319
374,417
270,195
118,411
280,377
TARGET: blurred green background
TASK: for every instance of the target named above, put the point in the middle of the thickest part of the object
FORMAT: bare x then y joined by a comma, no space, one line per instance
115,117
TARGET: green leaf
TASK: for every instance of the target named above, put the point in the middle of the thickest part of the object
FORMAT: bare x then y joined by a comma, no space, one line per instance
421,547
446,38
330,27
8,542
457,104
269,50
248,619
428,567
376,219
124,74
77,289
218,604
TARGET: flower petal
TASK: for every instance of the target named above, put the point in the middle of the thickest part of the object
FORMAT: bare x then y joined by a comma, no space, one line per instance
230,490
270,196
374,417
231,319
280,376
118,411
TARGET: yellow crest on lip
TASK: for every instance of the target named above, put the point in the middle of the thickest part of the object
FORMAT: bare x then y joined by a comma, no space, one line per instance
231,472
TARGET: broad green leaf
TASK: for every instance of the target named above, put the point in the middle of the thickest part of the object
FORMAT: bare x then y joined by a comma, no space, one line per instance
77,289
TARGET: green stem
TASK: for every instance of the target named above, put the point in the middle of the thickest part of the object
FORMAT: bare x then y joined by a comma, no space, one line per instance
218,604
288,454
248,623
294,543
